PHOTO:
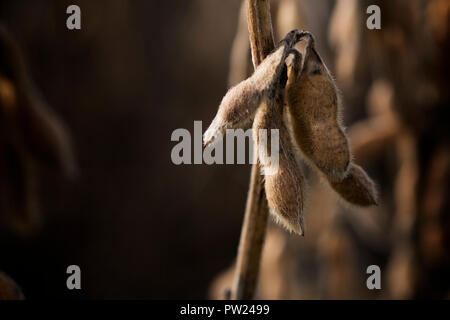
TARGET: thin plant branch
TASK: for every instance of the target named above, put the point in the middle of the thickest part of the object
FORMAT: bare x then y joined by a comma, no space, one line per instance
256,213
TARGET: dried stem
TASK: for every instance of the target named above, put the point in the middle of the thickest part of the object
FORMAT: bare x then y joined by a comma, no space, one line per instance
255,220
260,29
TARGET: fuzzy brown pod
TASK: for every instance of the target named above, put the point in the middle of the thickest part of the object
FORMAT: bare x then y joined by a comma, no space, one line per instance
314,114
284,181
314,108
239,105
262,94
294,75
357,188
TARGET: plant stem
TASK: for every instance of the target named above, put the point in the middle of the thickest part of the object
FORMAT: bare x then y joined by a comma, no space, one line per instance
256,211
260,29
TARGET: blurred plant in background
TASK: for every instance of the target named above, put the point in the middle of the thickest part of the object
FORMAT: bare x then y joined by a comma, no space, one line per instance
31,137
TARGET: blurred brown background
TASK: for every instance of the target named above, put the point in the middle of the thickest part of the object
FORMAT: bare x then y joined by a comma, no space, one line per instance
141,227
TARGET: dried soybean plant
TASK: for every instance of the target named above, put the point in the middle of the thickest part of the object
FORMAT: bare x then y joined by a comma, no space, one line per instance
290,90
31,137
